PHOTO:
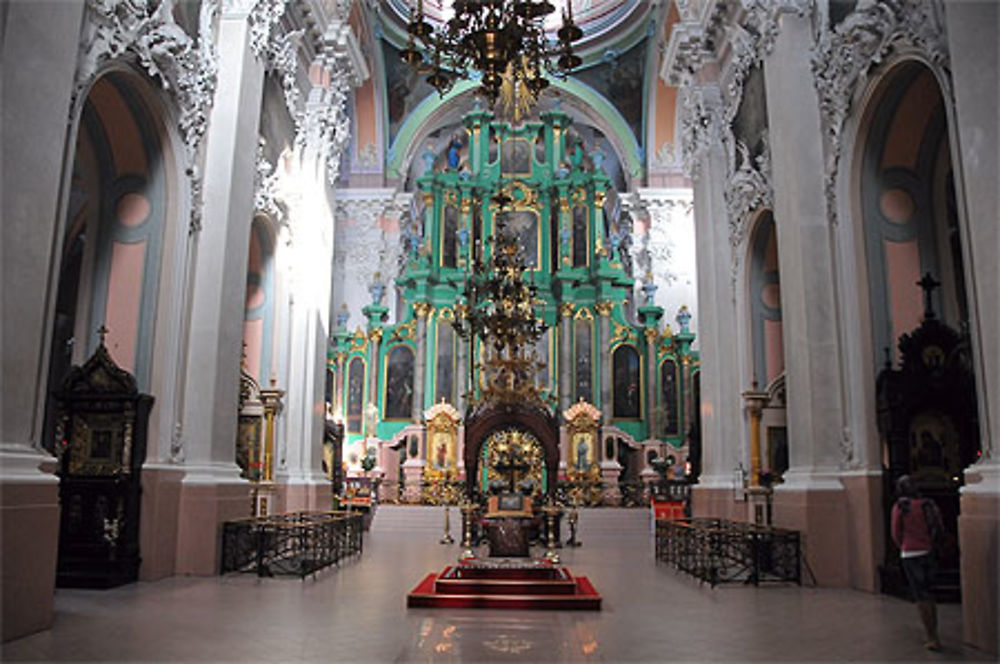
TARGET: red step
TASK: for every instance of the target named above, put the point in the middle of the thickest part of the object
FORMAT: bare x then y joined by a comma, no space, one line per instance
453,589
475,581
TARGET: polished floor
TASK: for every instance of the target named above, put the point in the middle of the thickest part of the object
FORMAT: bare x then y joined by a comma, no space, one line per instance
358,613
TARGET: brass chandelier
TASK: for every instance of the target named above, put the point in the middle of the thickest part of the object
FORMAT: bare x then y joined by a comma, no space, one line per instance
496,38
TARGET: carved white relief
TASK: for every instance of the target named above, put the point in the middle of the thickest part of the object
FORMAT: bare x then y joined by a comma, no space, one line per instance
848,457
325,125
185,68
367,246
266,195
177,454
748,191
663,245
264,17
845,57
282,57
700,125
368,156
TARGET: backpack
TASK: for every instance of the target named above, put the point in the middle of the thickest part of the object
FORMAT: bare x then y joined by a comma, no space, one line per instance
932,517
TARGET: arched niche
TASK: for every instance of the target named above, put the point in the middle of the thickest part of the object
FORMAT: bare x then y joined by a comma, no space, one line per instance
764,290
119,204
399,365
259,306
435,120
627,383
538,423
908,221
908,206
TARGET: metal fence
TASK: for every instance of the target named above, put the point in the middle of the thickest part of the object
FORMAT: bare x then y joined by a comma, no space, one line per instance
720,551
297,543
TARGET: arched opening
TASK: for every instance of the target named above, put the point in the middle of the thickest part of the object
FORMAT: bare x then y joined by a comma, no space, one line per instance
909,209
767,338
927,406
399,384
626,386
258,317
765,303
112,246
444,378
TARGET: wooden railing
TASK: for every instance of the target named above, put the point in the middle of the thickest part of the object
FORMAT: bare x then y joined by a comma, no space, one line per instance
720,551
297,543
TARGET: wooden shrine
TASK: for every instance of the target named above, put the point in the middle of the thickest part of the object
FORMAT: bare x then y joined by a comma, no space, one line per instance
928,423
101,425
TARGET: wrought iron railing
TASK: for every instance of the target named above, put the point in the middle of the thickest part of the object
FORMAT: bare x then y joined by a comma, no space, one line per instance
297,543
720,551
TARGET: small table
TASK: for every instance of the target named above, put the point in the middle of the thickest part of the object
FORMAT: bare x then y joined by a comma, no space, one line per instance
508,536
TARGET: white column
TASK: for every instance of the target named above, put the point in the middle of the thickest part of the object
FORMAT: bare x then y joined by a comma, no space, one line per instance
212,491
310,201
970,26
972,31
805,255
721,405
812,498
39,45
216,331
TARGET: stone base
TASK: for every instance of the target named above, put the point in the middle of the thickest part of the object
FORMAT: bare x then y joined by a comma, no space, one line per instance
611,495
865,548
204,505
29,511
820,514
979,539
717,502
160,511
308,497
413,475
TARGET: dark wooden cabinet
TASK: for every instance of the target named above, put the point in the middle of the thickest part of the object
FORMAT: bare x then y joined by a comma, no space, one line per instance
928,423
101,430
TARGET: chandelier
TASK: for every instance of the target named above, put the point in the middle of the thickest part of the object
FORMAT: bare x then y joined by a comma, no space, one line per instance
496,38
499,307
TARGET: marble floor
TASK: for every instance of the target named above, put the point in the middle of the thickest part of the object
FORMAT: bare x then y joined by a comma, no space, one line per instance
357,613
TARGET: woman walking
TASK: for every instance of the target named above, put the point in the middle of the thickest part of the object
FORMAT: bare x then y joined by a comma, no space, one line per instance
915,523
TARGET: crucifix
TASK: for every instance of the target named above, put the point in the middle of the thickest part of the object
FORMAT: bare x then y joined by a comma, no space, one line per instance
928,284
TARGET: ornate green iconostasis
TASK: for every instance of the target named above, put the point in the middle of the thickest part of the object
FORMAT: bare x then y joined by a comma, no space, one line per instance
537,179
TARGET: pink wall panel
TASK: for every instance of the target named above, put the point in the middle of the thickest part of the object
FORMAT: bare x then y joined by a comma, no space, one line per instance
253,337
119,125
902,261
666,109
365,100
124,299
907,128
774,349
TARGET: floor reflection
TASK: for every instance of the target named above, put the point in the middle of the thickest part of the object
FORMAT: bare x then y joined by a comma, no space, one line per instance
526,636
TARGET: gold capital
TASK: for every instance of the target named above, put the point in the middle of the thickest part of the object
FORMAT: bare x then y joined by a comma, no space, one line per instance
604,308
566,309
650,335
421,309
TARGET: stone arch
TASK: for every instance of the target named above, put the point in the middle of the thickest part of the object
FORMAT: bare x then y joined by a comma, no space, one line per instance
901,192
259,304
857,304
540,424
120,231
434,113
764,300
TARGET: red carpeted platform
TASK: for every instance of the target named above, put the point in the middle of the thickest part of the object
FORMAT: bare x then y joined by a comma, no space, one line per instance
466,586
